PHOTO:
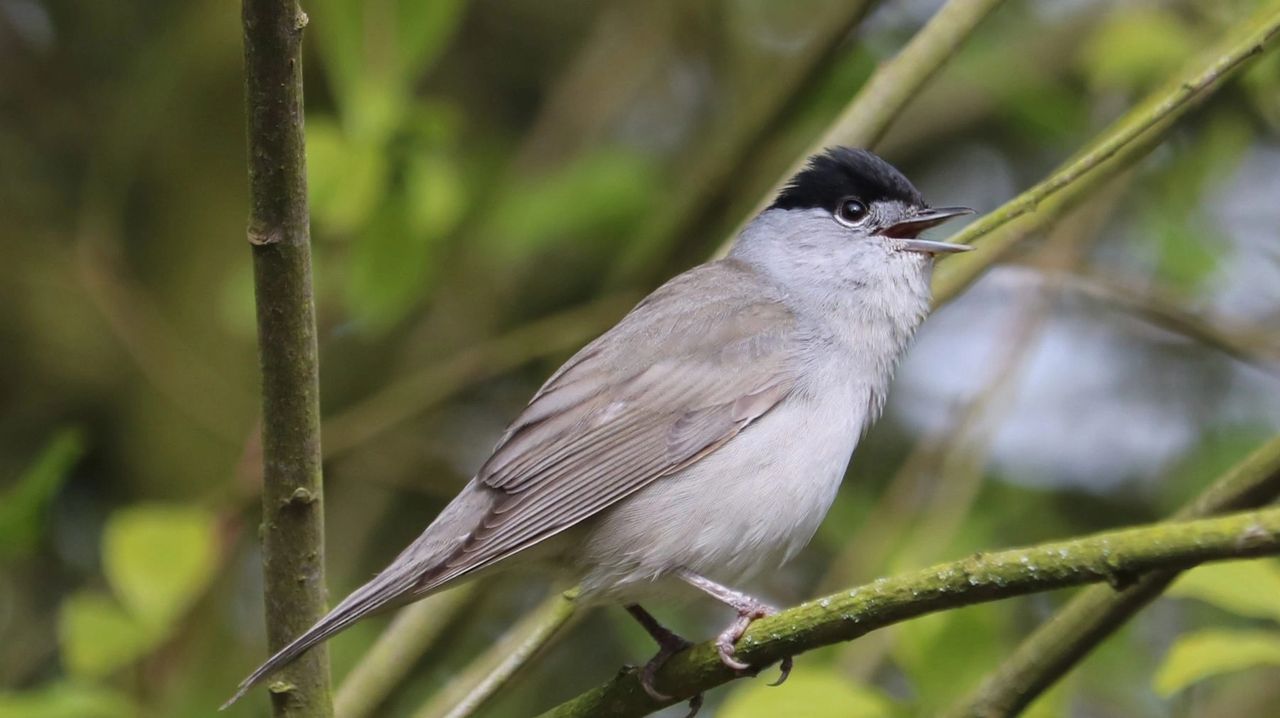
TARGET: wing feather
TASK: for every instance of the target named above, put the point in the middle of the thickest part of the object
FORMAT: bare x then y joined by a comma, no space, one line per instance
679,377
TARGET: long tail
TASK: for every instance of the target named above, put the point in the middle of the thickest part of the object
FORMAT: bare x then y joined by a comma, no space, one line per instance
414,574
385,588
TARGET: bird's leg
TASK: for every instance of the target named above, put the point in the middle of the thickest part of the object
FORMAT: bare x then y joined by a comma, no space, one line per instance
748,608
669,644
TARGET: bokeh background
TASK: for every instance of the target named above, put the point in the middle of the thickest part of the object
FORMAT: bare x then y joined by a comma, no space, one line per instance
493,183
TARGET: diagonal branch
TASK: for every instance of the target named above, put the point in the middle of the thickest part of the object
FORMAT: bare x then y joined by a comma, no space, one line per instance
1060,643
470,690
890,88
1127,140
1116,557
293,518
773,93
1162,308
397,650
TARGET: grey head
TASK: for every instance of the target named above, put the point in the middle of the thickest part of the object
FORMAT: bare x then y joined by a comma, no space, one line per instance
848,219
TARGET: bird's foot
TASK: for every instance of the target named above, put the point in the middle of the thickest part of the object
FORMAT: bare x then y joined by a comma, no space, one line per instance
749,610
669,644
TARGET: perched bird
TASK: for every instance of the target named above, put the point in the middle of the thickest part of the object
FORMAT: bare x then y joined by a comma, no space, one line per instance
701,440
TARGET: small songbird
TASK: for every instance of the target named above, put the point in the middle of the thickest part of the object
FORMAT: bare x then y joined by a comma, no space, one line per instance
702,439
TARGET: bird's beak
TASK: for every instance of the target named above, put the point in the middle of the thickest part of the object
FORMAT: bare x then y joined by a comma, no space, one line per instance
909,229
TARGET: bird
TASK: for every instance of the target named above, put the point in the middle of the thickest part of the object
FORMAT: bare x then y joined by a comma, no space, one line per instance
701,440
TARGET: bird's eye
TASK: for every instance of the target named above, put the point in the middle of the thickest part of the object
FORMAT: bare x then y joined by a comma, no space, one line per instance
851,211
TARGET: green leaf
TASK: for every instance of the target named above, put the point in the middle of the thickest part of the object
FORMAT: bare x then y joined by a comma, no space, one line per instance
345,179
390,269
375,51
1135,47
592,198
1196,656
1262,83
66,700
945,653
435,193
816,692
1249,588
339,30
422,31
158,558
24,507
98,637
1187,241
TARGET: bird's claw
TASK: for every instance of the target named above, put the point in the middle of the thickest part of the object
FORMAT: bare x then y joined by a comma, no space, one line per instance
748,611
726,651
784,669
669,644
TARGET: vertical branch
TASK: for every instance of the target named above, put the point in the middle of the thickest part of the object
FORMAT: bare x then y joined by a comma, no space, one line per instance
293,532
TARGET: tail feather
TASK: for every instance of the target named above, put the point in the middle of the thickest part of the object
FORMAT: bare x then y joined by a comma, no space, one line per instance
377,594
413,575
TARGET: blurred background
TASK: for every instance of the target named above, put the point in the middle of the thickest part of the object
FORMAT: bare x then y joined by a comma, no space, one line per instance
492,184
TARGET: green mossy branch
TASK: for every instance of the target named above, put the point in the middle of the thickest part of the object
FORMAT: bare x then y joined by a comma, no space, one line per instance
293,515
1097,612
1115,557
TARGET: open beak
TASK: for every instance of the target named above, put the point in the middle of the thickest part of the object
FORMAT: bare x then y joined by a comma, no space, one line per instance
911,228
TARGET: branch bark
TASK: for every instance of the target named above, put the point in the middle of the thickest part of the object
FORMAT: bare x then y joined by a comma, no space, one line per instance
1127,140
293,519
1116,557
1060,643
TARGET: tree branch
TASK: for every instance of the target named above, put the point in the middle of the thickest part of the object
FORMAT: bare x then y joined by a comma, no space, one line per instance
889,89
774,91
1116,557
471,690
1060,643
1162,308
410,396
1127,140
396,651
293,519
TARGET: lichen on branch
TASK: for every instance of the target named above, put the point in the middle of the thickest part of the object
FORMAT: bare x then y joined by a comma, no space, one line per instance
1115,557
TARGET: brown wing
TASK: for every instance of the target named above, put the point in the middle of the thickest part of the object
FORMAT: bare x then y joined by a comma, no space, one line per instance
681,375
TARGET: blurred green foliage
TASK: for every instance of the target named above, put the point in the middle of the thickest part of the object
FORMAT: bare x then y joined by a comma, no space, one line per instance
1245,588
817,693
24,508
476,165
157,560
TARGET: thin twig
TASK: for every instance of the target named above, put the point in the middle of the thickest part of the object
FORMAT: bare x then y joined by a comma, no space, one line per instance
411,395
1060,643
773,94
293,518
891,87
469,691
1116,557
396,651
1251,345
1123,143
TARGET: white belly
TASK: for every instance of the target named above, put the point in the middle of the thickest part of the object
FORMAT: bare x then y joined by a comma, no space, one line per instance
746,508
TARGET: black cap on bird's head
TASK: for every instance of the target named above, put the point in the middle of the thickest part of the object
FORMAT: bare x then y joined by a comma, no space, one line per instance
842,172
845,182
